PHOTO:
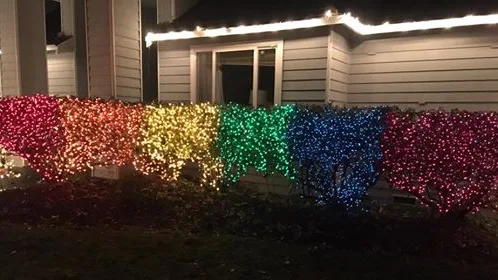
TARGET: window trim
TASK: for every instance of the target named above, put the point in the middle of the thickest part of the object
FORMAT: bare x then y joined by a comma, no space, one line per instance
255,46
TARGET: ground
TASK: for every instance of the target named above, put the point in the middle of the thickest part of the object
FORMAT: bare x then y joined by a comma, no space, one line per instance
140,253
101,230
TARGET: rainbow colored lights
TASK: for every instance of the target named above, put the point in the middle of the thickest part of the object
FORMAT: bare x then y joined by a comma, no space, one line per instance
448,160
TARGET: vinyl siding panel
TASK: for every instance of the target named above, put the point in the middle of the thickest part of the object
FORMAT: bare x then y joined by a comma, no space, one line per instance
339,69
304,70
174,72
127,50
451,70
61,74
114,49
99,49
1,76
9,83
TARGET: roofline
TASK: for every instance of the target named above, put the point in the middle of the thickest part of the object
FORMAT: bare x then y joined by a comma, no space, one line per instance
328,19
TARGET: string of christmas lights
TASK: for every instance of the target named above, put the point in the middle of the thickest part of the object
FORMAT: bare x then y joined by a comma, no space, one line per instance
95,133
448,160
337,152
173,135
30,127
254,138
6,166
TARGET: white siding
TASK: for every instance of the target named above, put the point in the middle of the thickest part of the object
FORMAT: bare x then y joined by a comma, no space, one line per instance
339,65
303,78
114,49
305,70
0,70
127,47
452,70
10,78
61,74
174,73
100,82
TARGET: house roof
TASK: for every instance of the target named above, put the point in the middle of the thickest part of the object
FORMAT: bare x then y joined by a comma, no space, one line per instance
218,13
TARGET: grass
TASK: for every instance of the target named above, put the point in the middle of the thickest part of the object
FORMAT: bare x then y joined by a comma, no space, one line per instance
42,252
142,230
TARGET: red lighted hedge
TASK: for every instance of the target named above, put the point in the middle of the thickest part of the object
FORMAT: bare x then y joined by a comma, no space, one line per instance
448,160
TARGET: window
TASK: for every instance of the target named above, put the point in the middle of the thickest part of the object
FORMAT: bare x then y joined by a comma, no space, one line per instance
249,74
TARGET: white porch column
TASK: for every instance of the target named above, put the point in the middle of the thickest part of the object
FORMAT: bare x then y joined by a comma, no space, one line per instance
114,49
23,45
67,17
114,56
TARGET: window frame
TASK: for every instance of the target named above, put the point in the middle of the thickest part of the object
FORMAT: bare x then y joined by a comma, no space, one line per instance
227,47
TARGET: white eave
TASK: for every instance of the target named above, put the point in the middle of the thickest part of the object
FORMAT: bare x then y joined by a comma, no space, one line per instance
328,19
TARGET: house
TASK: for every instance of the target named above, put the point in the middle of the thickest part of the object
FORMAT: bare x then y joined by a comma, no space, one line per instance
85,48
261,53
320,57
257,53
284,51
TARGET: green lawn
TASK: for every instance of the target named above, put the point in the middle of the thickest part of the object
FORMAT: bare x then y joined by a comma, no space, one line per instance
139,253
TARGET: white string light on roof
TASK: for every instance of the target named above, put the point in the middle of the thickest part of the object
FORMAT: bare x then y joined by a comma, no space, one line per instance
365,29
237,30
329,18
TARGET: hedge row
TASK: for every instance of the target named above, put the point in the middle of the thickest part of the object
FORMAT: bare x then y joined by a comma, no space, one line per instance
448,160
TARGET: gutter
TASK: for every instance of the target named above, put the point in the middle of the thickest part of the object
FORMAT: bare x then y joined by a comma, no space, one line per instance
328,19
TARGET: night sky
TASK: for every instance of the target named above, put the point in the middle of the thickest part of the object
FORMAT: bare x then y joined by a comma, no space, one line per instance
231,12
215,13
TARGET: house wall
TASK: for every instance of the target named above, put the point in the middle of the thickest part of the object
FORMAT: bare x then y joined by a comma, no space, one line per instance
100,80
1,69
304,81
31,52
454,70
61,74
339,67
127,47
305,70
10,77
449,70
80,48
23,47
304,66
114,49
174,72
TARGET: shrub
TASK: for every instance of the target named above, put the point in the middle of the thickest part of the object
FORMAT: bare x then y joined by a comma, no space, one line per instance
173,135
95,133
337,152
448,160
31,127
254,138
